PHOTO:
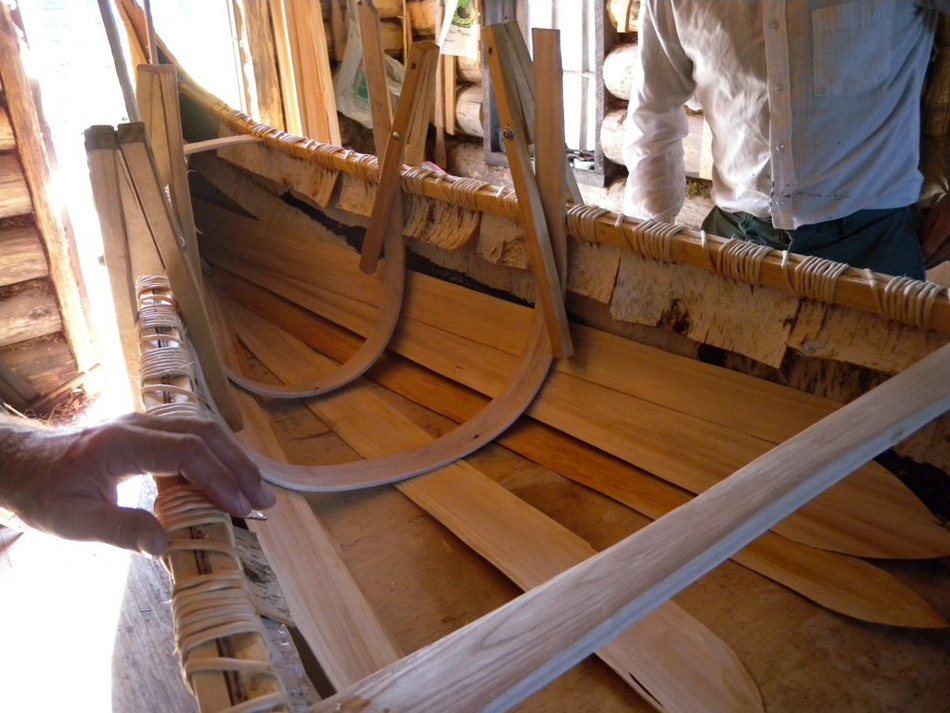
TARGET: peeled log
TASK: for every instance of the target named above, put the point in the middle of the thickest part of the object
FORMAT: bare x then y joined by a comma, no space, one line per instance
619,68
421,17
468,111
468,70
623,14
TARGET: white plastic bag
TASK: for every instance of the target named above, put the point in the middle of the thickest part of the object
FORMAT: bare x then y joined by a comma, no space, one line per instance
349,82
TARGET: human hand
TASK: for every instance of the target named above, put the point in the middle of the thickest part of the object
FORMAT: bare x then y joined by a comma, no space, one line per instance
63,480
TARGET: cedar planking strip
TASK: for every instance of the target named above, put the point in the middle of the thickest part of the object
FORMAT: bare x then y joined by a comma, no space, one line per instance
837,582
886,519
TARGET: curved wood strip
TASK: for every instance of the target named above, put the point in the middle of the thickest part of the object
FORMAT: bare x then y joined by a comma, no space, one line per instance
494,418
390,305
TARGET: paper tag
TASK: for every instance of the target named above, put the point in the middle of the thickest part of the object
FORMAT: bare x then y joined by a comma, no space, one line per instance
459,35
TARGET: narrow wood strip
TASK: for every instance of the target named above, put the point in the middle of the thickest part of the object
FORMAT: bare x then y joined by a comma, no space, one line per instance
285,67
885,519
527,643
844,584
141,167
118,58
526,545
219,143
420,63
102,156
550,294
374,64
326,603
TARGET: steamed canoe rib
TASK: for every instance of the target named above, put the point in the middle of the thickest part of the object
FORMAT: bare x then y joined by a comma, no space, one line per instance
869,514
837,582
526,545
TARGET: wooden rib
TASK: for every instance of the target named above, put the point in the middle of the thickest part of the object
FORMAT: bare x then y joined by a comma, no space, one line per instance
327,605
886,519
550,294
143,172
101,153
419,64
522,646
844,584
549,135
526,545
387,217
393,282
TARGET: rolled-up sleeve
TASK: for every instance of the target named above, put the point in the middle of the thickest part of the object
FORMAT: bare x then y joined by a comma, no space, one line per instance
656,122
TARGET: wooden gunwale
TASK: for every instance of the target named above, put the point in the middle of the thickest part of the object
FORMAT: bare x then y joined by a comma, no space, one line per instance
854,288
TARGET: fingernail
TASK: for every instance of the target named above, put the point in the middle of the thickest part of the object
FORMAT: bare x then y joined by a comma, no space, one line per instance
268,497
152,543
244,507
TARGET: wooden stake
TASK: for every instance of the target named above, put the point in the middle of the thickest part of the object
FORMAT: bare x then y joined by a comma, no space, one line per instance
122,72
550,294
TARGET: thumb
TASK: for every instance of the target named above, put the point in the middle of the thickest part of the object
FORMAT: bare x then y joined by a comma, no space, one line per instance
128,528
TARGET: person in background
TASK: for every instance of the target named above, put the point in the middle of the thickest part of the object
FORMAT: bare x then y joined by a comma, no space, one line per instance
814,110
63,480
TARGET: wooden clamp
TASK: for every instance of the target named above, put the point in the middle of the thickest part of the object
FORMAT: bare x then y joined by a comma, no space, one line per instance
419,67
503,64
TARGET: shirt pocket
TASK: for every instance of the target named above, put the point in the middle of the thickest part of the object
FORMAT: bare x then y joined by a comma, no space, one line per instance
852,47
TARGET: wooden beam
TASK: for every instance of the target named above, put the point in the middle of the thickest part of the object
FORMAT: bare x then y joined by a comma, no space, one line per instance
104,177
21,256
118,58
158,102
529,642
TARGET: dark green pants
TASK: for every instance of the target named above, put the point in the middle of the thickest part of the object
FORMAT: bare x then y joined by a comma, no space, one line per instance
884,240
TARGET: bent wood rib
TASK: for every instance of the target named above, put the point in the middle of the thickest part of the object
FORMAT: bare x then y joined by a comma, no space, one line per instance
393,287
386,221
520,647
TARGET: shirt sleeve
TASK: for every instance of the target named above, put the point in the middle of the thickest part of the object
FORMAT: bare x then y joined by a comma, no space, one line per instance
656,122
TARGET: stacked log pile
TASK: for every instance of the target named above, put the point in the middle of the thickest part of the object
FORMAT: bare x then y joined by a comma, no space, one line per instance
44,339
